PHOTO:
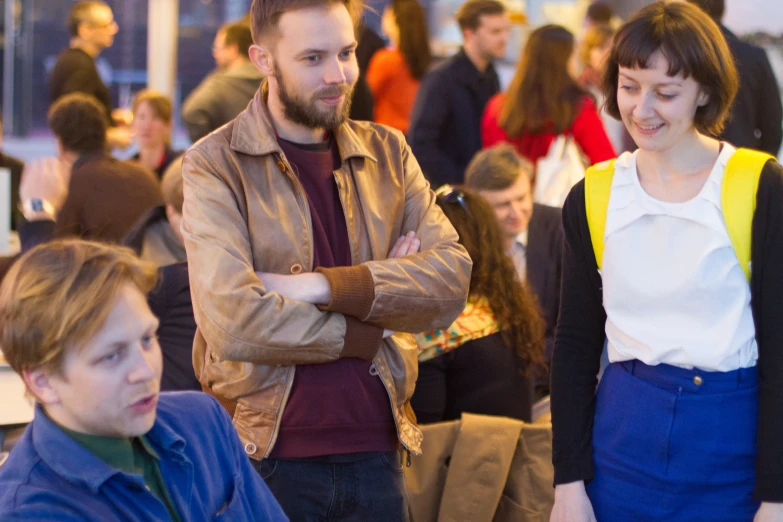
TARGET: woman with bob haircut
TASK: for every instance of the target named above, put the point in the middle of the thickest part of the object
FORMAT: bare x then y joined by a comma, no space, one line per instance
687,422
544,101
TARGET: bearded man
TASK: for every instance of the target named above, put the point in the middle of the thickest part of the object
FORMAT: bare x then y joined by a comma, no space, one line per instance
311,240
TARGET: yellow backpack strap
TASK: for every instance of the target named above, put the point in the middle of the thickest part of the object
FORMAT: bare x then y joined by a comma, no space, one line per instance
738,200
598,187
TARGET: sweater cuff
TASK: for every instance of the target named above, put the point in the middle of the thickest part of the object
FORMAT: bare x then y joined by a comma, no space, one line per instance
769,488
353,290
362,340
580,470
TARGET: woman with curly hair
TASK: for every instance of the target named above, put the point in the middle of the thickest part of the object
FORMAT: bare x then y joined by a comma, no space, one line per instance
484,362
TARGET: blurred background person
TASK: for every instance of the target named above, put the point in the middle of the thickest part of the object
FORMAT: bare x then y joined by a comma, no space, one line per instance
599,13
544,101
482,363
445,126
756,117
394,73
156,237
103,196
226,92
92,29
593,52
152,123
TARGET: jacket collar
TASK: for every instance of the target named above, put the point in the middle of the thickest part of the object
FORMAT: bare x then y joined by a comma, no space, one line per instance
254,134
467,73
77,464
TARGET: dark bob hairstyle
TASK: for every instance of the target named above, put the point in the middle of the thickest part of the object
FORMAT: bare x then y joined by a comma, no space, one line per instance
693,45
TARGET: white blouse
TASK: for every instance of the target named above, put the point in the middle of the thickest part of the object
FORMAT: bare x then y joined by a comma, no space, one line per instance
673,289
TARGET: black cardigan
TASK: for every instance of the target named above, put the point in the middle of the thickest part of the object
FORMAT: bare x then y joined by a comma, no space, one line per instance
580,338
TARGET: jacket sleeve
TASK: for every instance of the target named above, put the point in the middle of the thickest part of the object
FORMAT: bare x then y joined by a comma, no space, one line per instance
770,115
428,124
239,320
579,341
767,303
590,134
198,109
419,292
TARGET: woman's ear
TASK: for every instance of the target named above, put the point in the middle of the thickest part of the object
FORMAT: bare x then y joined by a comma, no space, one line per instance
703,99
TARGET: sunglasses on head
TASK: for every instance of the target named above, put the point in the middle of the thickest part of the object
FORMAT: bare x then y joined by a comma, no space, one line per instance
452,194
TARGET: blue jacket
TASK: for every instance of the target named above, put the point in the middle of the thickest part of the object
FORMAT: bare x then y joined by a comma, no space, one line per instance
51,477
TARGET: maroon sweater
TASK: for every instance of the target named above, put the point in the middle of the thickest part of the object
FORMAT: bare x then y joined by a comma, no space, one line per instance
339,407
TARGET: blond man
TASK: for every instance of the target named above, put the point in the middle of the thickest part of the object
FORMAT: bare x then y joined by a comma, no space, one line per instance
104,443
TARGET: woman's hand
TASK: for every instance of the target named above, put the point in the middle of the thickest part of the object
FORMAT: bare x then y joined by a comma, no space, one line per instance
769,512
572,504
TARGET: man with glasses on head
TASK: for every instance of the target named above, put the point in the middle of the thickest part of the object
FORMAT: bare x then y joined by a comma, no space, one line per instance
92,29
311,238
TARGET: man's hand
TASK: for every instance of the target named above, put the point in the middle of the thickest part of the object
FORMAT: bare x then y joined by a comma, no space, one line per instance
405,246
119,137
769,512
122,117
311,288
46,179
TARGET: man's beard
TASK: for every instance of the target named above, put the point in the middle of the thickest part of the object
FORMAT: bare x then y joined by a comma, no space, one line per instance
307,113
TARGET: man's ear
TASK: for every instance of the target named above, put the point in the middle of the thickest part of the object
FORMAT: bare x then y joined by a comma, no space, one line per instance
261,56
40,385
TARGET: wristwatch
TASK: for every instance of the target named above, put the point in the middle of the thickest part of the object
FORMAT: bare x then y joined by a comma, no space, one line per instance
34,206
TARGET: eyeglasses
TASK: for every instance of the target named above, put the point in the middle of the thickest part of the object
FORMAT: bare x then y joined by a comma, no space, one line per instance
452,194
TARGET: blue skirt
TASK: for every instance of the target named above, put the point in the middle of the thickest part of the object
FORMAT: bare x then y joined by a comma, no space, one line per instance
674,445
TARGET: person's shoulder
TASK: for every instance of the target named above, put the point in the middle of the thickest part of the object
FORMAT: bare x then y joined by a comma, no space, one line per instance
376,134
772,177
388,57
181,407
547,214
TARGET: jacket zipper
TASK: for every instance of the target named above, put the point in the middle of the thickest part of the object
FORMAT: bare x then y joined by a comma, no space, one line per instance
302,198
373,367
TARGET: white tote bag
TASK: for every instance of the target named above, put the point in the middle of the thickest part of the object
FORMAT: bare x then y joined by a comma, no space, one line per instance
558,171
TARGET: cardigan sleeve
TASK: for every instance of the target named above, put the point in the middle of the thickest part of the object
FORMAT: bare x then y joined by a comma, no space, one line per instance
579,341
767,304
590,134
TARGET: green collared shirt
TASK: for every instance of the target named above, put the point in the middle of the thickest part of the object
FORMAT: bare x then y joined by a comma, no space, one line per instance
131,455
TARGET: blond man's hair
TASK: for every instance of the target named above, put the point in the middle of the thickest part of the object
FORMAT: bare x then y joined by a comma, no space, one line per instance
496,168
58,295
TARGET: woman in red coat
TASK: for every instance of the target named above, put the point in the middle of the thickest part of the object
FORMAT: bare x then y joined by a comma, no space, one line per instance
544,101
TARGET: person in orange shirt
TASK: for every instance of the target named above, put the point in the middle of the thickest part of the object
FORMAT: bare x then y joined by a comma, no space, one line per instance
394,73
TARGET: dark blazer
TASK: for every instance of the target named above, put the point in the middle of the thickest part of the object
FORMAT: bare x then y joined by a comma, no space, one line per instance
445,128
756,116
544,254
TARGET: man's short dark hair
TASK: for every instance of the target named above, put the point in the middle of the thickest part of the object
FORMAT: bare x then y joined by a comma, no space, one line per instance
714,8
470,13
265,14
599,13
81,13
238,34
694,46
79,122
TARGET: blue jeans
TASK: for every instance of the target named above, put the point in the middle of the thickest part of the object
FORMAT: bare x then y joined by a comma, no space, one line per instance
368,487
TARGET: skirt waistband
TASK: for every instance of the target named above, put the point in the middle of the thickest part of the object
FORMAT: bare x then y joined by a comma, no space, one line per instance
694,380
